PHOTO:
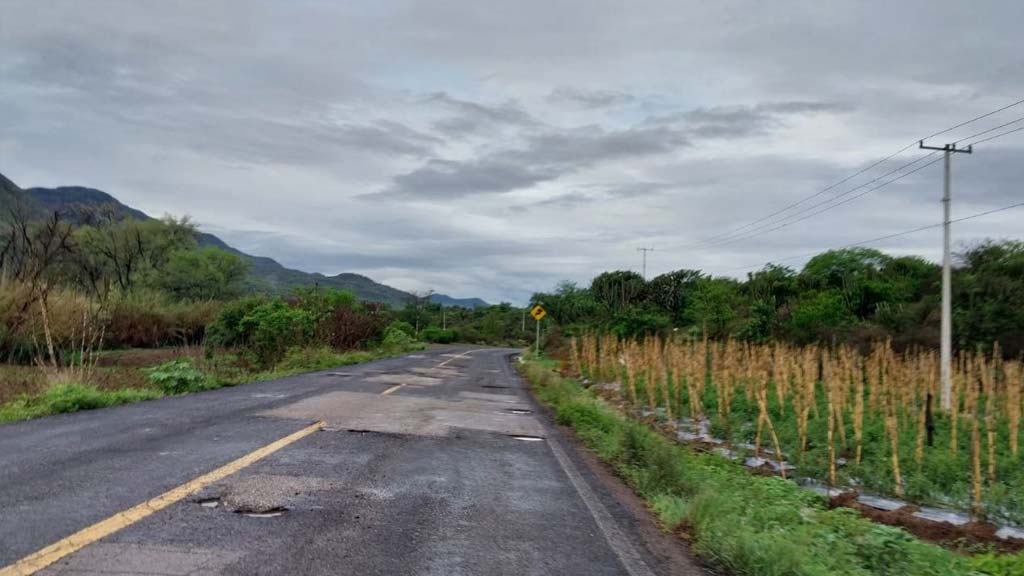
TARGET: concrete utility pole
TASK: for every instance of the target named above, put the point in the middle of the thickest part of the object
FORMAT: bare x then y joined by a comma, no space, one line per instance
946,335
645,251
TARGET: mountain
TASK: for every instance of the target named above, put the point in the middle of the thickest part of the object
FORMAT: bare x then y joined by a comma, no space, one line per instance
265,274
449,302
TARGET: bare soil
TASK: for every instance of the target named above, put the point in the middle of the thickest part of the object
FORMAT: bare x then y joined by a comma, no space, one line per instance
967,538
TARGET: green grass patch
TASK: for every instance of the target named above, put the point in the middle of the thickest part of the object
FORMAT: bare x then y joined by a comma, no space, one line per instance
183,376
742,523
63,398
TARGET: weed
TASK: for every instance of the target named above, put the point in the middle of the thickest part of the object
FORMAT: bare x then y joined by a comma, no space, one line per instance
179,377
64,398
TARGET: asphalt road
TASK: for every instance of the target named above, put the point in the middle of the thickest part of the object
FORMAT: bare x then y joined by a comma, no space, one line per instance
431,463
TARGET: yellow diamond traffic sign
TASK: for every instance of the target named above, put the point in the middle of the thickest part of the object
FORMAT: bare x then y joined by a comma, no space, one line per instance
538,312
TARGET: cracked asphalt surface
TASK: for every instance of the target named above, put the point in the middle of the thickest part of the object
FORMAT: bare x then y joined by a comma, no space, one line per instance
428,463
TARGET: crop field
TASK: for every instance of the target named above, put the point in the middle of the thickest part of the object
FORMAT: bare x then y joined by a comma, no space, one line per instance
870,421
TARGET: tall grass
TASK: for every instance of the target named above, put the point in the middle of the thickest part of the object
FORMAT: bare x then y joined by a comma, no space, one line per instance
739,522
841,416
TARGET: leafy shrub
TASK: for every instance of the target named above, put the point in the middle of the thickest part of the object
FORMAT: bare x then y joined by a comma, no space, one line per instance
64,398
309,359
397,340
404,327
270,329
323,302
226,330
438,335
179,377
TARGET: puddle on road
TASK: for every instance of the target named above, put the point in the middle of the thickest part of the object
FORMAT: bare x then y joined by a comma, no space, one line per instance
520,411
493,386
528,438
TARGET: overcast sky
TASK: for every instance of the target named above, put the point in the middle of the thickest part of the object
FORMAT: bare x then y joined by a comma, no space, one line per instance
492,149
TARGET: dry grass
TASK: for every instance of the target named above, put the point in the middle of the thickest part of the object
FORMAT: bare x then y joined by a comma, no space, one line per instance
829,395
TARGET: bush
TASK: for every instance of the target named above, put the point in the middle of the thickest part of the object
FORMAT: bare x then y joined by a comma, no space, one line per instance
226,330
323,302
404,327
438,335
272,328
179,377
397,340
346,328
146,319
309,359
64,398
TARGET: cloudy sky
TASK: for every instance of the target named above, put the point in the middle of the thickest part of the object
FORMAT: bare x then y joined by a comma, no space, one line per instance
492,149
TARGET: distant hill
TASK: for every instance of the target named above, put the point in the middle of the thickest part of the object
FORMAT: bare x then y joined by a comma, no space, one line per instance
265,274
449,302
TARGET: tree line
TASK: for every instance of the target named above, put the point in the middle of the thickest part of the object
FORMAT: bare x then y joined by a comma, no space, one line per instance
852,296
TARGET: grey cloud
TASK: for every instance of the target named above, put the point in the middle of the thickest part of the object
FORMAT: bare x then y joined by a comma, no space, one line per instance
545,156
214,108
451,179
742,121
595,194
591,144
590,98
472,117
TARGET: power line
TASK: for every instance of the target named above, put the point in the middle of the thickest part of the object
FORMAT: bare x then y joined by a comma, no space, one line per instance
788,221
729,240
837,204
997,136
712,239
983,132
881,238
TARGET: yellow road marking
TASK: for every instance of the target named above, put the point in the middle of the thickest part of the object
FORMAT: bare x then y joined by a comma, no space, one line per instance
397,387
463,355
54,552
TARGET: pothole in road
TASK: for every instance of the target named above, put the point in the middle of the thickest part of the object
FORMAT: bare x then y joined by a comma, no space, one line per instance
269,513
493,386
520,411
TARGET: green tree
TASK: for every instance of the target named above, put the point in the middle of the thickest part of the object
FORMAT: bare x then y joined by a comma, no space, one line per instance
989,297
618,290
671,291
715,307
204,274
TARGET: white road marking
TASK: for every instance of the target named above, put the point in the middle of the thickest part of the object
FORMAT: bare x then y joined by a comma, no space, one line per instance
623,548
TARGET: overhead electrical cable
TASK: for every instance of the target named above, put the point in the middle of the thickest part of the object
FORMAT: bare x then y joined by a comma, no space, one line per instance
712,239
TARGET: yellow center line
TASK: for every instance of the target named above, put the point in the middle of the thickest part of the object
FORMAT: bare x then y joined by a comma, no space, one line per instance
398,387
463,355
54,552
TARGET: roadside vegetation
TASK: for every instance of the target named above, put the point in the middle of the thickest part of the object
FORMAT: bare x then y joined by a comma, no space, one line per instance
857,297
826,374
98,309
740,522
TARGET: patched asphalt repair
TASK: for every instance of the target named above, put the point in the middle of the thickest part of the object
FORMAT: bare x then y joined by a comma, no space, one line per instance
434,463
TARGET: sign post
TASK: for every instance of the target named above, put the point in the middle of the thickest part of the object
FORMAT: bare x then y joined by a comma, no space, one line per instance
538,314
